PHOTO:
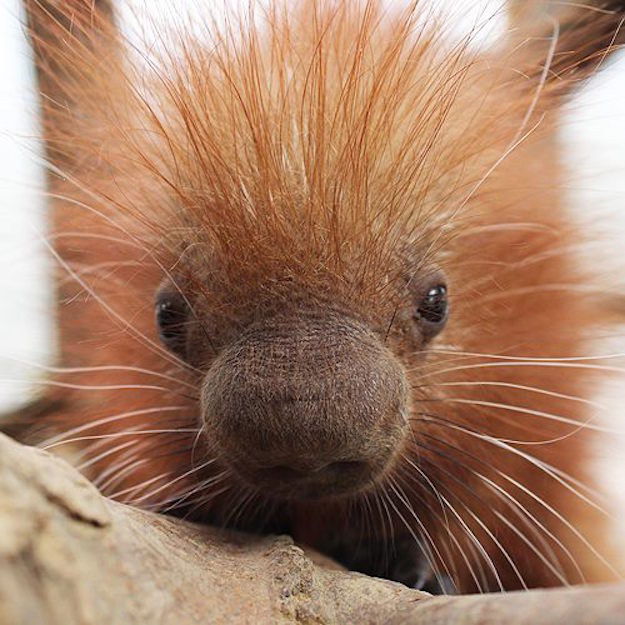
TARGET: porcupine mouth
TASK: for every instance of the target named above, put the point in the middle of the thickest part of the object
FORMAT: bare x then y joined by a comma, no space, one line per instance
335,480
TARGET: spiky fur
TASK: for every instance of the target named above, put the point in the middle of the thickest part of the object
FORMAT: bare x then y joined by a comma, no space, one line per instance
332,152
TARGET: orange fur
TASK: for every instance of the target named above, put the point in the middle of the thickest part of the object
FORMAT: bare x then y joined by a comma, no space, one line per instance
327,155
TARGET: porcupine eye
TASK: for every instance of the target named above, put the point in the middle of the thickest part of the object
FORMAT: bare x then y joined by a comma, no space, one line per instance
171,320
433,309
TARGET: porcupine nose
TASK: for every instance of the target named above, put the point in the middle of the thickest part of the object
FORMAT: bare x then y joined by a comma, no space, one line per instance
306,407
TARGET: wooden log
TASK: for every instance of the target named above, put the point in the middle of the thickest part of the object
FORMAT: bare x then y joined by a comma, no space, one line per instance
70,556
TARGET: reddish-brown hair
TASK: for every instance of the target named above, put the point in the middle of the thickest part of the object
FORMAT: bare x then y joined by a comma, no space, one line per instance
318,150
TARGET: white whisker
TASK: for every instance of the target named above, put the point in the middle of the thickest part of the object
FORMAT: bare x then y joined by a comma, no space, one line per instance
109,419
120,434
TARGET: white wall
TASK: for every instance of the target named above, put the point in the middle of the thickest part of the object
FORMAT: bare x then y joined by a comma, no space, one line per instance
26,328
594,136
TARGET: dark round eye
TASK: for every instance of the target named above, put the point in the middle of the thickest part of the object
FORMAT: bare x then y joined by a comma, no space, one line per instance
171,320
433,309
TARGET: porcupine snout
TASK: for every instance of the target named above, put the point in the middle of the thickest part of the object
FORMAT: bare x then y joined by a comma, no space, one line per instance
306,406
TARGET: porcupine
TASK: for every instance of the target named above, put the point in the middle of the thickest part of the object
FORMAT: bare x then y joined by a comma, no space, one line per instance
316,276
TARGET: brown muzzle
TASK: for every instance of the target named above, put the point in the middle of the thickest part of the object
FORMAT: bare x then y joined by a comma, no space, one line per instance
306,406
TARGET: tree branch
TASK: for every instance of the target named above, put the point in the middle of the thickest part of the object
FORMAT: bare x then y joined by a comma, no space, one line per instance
69,556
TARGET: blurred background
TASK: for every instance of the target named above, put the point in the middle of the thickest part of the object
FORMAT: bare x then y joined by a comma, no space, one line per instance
593,135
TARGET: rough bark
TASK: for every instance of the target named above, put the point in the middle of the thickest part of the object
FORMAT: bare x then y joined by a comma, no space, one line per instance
68,555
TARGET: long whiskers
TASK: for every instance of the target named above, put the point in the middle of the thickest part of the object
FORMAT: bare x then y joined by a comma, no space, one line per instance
512,503
577,425
171,482
558,475
89,425
432,554
543,467
131,432
103,368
